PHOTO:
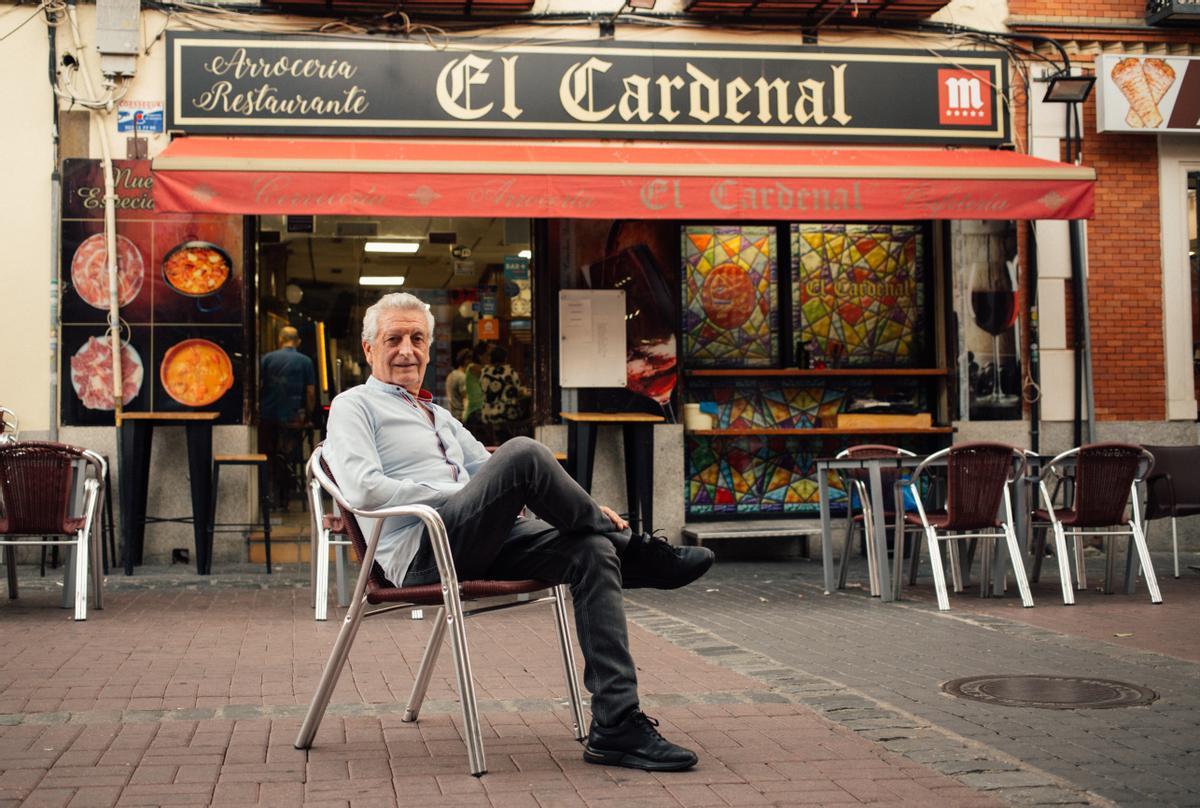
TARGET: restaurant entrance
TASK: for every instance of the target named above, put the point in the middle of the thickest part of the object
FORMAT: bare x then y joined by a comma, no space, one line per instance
318,274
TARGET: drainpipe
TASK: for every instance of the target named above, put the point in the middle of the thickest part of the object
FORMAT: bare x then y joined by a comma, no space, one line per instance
1079,285
99,117
55,225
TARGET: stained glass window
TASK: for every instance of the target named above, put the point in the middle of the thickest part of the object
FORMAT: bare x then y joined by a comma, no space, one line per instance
730,314
858,294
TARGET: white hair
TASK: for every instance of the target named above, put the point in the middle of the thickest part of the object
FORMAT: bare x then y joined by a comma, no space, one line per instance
399,301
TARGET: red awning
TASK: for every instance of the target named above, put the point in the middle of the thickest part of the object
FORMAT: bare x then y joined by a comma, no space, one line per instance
610,180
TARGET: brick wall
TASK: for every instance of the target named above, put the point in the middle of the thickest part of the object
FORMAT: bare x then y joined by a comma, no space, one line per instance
1125,276
1079,9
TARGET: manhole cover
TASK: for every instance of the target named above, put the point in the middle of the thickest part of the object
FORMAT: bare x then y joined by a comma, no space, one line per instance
1050,692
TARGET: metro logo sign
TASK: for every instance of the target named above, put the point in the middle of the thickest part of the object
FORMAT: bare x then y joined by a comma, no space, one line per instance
963,97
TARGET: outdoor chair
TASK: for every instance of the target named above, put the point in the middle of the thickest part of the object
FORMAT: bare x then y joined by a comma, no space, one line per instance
325,526
977,479
51,489
858,484
1173,490
373,589
1106,476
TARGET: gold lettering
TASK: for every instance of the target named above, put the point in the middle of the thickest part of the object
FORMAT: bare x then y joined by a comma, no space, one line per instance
702,88
635,101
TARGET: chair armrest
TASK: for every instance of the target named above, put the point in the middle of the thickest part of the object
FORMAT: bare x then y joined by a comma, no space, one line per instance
1157,480
438,539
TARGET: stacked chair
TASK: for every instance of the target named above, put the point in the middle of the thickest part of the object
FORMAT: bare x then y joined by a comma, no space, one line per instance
978,476
1104,480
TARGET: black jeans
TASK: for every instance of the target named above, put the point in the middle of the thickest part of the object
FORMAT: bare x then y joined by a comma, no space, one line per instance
571,542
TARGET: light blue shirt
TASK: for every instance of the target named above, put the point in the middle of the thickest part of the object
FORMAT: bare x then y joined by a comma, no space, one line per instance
383,451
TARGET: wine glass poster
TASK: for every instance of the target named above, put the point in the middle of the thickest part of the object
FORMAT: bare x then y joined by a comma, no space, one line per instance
986,285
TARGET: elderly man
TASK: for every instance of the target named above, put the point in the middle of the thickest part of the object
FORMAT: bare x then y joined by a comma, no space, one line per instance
389,444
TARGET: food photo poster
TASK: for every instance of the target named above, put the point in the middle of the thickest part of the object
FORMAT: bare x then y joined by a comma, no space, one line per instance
182,297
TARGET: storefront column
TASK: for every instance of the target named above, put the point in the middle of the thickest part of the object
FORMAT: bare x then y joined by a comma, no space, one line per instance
1178,155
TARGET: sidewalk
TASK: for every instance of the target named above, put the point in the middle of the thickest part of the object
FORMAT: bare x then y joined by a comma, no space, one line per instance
186,691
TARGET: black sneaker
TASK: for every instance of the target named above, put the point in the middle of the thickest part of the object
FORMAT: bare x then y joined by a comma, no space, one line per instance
635,743
652,562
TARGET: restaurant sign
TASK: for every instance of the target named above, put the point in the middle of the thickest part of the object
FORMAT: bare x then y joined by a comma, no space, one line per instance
1148,94
226,83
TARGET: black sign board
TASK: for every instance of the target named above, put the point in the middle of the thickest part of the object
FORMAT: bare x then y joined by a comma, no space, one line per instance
229,83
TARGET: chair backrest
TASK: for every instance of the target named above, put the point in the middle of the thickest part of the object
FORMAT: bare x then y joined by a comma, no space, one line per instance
977,475
1104,476
378,579
1182,465
36,485
888,476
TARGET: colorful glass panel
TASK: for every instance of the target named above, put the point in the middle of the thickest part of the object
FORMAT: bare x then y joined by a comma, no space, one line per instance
858,294
730,311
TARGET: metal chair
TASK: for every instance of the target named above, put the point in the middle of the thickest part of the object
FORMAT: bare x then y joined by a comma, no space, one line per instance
373,588
324,527
1173,490
978,476
46,490
1106,476
858,481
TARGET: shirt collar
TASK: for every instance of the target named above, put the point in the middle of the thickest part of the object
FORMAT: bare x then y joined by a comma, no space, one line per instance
374,382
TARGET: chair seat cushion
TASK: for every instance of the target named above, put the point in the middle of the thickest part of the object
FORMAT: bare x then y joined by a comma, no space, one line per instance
1068,517
431,594
937,519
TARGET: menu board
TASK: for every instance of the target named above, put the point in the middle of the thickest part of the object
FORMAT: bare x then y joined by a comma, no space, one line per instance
181,291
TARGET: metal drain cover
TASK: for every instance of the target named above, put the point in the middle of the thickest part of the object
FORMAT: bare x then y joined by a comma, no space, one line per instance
1050,692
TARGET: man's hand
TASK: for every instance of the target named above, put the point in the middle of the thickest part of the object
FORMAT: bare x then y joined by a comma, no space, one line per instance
614,516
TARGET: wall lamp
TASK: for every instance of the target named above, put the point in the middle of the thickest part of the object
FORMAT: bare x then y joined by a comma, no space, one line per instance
1066,88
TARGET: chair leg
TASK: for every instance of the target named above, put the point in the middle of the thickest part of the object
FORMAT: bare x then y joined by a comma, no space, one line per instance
956,576
844,562
343,586
1139,541
1064,564
320,566
1080,565
264,505
10,566
1174,544
457,626
433,647
1018,566
329,676
939,575
914,563
568,655
97,569
1039,553
869,538
82,539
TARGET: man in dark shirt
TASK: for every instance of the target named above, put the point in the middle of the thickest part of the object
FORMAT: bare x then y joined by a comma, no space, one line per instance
288,396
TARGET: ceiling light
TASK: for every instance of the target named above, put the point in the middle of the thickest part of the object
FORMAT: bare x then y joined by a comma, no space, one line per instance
527,254
402,247
381,280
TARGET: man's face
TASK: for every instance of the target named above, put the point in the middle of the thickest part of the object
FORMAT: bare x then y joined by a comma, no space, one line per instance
400,351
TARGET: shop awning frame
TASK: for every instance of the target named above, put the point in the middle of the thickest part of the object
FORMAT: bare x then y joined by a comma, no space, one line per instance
551,179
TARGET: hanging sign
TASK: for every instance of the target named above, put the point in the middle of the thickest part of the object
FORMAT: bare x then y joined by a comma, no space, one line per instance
225,82
1148,94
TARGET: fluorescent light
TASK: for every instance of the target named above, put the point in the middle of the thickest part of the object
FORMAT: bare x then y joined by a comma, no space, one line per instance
403,247
525,254
381,280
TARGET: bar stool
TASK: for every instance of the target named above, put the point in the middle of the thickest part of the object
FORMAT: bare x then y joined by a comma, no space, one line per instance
259,460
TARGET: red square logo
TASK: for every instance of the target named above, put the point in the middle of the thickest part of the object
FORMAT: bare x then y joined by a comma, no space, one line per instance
965,97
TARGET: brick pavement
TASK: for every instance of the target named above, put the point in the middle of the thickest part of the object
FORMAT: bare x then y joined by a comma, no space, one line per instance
185,691
190,692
